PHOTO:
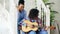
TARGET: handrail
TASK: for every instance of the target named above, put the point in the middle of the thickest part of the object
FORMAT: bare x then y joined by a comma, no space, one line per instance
40,4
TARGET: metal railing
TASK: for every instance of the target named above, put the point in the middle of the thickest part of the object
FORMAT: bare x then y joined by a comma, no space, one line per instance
44,11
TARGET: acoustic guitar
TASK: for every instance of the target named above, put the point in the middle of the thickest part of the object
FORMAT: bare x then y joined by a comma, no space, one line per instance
28,26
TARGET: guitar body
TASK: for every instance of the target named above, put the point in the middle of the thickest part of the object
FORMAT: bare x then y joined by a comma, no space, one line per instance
28,27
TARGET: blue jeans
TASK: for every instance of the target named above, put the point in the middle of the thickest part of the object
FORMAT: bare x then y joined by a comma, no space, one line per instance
18,31
31,32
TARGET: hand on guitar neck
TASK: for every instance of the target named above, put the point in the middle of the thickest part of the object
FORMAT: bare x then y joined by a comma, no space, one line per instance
51,27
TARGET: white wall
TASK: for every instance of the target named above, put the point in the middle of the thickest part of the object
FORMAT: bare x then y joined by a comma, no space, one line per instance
8,17
4,25
29,4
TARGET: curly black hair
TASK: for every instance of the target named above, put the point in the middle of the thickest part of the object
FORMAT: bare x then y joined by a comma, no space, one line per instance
33,13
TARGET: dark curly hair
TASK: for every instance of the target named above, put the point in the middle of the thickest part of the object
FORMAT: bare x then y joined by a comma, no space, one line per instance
21,2
33,13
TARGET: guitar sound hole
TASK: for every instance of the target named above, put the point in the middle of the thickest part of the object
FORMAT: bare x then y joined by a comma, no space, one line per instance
33,26
26,26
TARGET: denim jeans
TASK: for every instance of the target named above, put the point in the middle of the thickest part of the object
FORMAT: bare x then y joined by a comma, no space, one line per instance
31,32
18,31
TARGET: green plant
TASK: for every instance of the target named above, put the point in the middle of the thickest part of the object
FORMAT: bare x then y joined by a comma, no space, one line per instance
45,1
52,16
